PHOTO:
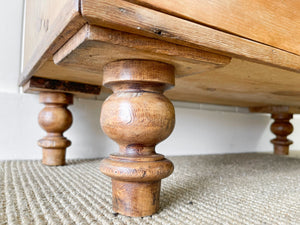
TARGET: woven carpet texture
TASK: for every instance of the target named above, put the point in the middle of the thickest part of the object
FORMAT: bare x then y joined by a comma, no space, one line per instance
212,189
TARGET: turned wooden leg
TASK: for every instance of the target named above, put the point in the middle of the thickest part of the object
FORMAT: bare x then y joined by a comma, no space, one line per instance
137,116
281,127
55,118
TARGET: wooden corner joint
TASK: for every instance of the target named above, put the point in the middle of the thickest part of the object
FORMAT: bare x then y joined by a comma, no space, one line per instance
137,116
55,119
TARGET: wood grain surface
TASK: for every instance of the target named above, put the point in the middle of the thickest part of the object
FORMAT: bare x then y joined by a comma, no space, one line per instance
48,25
240,83
52,71
93,47
272,22
137,116
250,79
129,17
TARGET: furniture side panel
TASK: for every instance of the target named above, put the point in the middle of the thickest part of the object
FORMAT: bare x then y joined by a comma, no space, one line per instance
45,21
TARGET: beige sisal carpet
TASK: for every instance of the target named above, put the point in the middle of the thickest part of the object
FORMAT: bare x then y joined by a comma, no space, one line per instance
214,189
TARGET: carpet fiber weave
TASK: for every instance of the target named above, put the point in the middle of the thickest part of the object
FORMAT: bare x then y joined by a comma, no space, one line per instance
211,189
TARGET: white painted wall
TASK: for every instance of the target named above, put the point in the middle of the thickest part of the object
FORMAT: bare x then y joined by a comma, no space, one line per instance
200,129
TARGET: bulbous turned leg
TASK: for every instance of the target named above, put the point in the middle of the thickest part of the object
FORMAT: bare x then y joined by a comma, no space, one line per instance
55,118
281,127
137,116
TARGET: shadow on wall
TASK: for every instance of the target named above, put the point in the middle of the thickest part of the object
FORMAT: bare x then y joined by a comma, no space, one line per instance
214,132
196,132
88,140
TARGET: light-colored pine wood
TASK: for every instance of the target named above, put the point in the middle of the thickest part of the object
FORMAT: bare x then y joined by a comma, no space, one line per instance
93,47
243,83
48,25
273,22
52,71
129,17
240,83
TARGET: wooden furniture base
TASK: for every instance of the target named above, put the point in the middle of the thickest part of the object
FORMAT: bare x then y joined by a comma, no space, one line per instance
55,118
74,45
281,127
137,116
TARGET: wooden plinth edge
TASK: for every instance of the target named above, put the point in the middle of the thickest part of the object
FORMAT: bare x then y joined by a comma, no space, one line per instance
275,109
137,116
55,118
82,52
38,84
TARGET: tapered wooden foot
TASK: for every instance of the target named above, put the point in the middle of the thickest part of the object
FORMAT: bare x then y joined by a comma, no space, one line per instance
281,127
137,116
55,118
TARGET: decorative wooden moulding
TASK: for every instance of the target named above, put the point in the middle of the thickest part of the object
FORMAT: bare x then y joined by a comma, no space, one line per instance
93,47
